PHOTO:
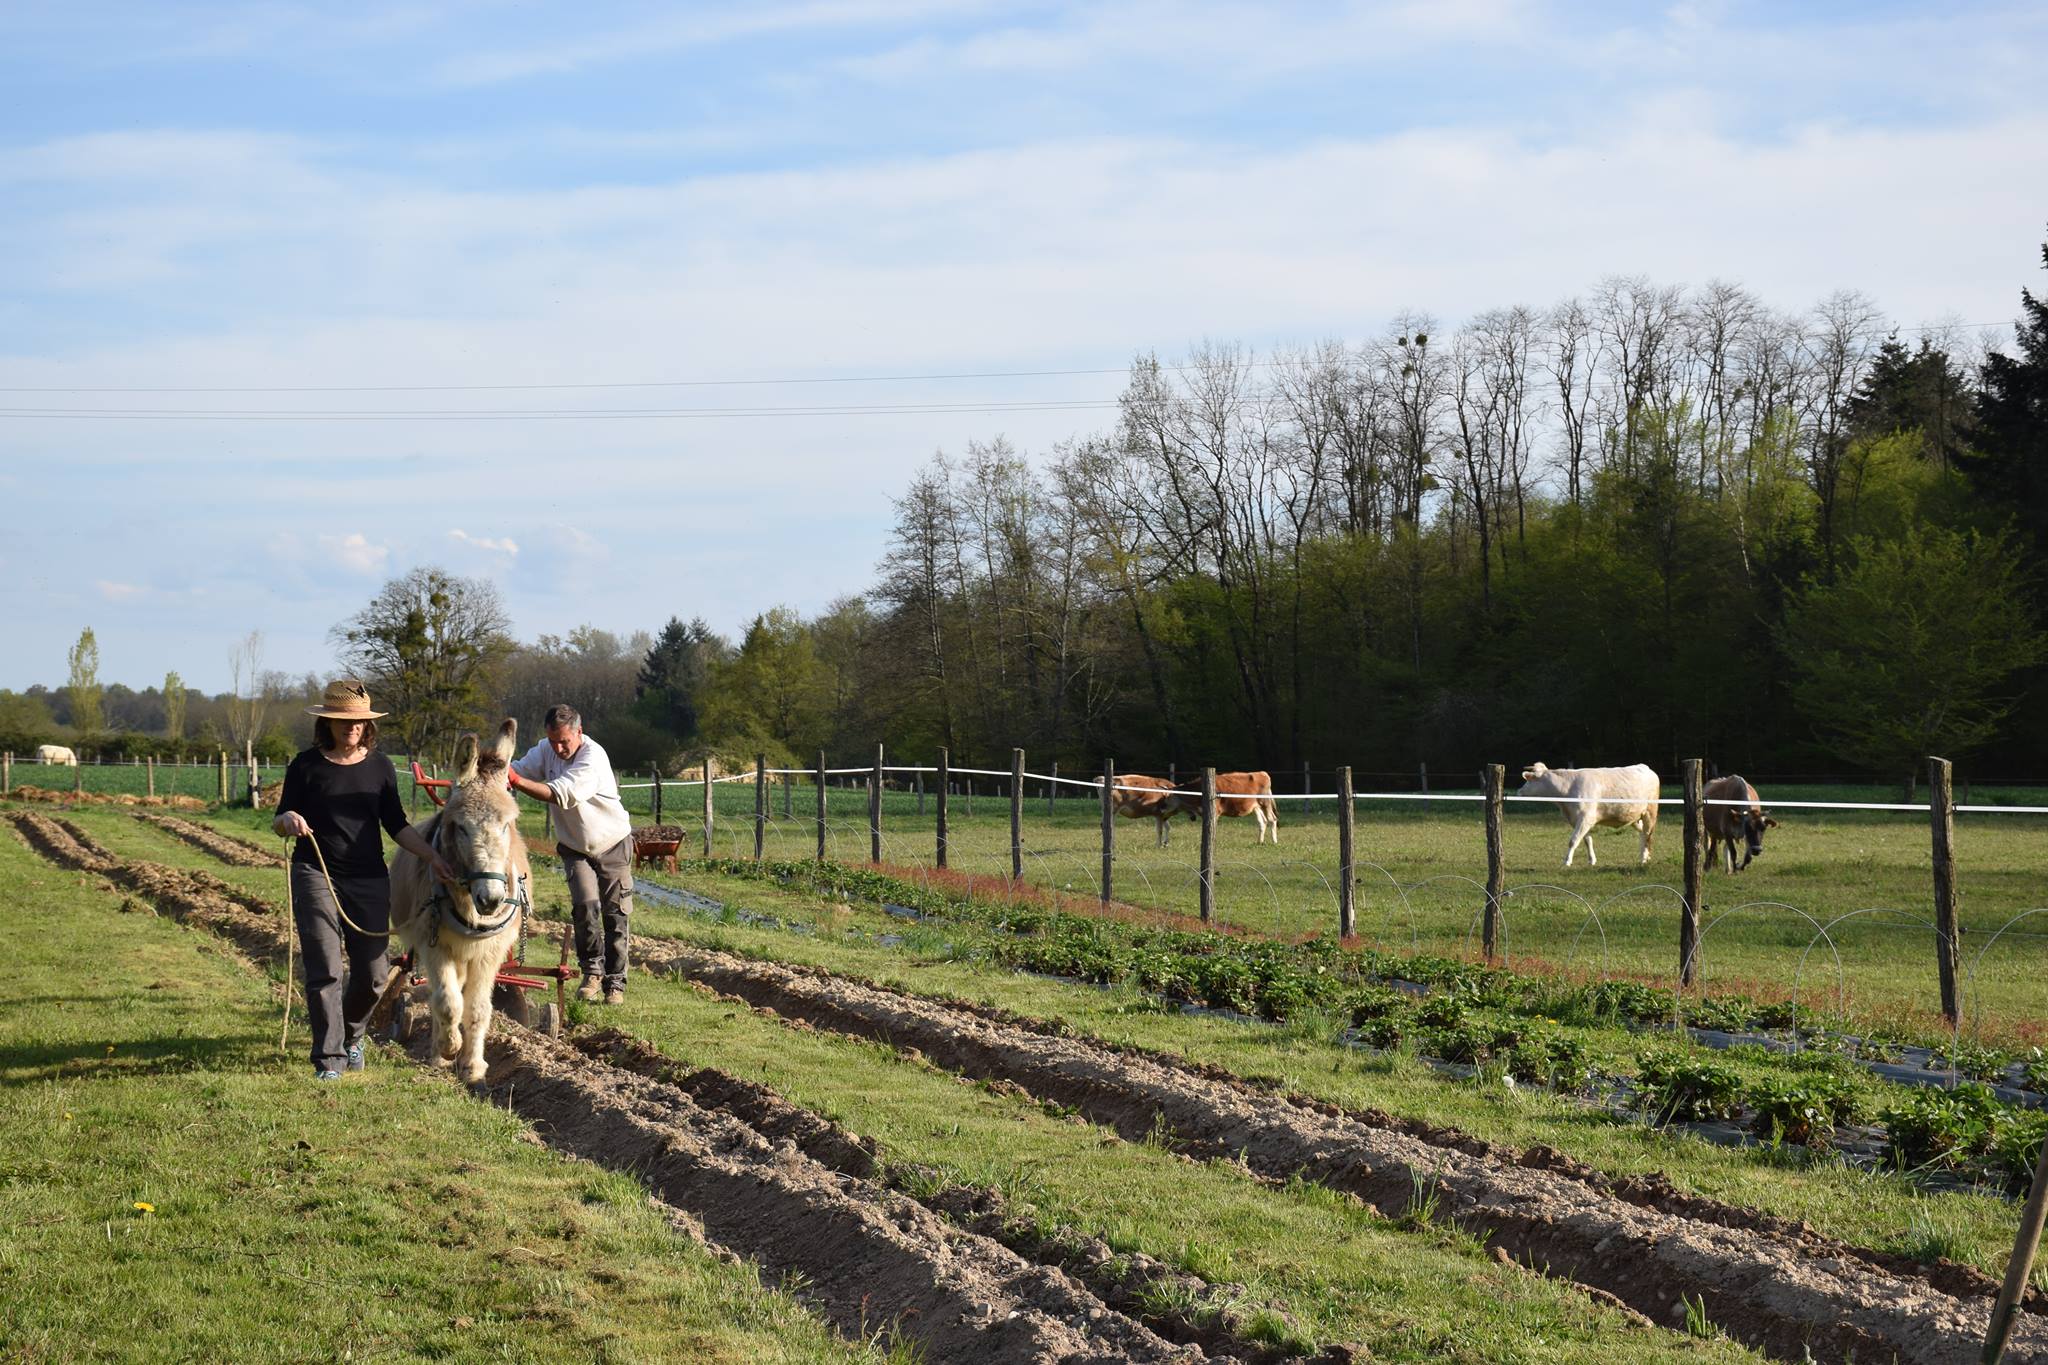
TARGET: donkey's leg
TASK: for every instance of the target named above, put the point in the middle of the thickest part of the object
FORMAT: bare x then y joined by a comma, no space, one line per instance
446,1003
476,1015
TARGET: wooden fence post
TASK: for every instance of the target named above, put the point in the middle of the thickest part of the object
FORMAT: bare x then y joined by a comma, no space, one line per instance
820,782
1052,788
149,775
1208,869
1307,789
760,805
708,768
6,772
2019,1269
1491,777
1423,769
917,780
940,793
1941,810
1347,904
657,795
1695,868
967,793
788,781
1108,824
1017,815
223,776
875,810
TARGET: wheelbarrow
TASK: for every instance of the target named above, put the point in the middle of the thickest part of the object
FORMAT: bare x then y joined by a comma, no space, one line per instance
660,852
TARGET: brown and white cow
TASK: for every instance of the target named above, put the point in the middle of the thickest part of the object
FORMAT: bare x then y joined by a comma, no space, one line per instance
1728,824
1137,796
1247,794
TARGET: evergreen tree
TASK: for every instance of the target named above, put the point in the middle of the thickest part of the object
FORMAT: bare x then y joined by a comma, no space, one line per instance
671,685
1913,391
2010,460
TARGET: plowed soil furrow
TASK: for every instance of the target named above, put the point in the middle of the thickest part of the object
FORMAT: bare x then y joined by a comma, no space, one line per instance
1133,1283
193,897
233,852
52,796
874,1261
1788,1295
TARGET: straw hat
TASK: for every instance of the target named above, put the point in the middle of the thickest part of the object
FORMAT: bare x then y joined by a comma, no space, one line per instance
346,699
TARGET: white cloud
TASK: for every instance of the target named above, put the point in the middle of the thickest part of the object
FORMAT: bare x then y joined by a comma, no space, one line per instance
503,545
119,592
355,552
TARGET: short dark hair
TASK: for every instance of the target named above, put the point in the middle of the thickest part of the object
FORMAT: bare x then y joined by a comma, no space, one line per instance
324,737
562,716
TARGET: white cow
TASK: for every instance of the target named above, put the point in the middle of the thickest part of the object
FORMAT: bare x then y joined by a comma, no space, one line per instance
1617,797
57,754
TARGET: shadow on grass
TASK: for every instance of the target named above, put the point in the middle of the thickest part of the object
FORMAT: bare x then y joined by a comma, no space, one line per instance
28,1064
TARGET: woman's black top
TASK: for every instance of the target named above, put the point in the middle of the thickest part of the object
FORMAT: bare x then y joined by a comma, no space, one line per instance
344,803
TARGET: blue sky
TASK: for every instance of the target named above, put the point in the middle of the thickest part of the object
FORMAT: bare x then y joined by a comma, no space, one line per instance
268,197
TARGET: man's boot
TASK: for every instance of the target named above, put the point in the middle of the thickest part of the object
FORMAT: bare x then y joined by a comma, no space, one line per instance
615,996
592,988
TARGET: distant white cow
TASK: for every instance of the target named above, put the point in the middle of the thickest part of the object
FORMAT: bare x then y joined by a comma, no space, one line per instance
56,753
1617,797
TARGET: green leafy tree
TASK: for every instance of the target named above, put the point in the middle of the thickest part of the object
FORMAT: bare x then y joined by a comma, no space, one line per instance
774,692
84,686
1906,653
174,707
430,646
25,721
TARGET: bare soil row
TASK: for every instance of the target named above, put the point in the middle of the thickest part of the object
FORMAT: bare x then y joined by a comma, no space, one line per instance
233,852
1776,1286
874,1261
1133,1283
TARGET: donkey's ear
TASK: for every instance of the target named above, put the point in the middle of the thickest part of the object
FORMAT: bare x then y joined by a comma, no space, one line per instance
465,759
507,733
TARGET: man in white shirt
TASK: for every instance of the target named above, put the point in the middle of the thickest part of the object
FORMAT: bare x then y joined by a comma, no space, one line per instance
572,773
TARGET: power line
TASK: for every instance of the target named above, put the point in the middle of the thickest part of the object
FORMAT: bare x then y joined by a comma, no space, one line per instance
616,384
936,377
547,414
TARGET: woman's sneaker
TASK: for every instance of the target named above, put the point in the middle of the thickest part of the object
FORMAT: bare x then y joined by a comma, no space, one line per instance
355,1058
327,1073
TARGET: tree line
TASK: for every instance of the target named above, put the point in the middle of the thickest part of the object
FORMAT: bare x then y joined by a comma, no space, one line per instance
1645,523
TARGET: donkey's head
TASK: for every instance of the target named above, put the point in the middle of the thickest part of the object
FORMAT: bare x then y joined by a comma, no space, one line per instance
480,825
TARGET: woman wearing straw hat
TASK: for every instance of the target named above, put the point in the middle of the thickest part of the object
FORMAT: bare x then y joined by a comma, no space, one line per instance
335,796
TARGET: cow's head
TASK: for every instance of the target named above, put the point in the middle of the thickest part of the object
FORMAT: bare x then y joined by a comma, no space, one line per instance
1537,780
1754,823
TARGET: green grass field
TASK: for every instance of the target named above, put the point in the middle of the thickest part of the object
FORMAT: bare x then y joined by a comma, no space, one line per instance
1871,1209
1332,1268
1837,912
1862,877
175,1188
